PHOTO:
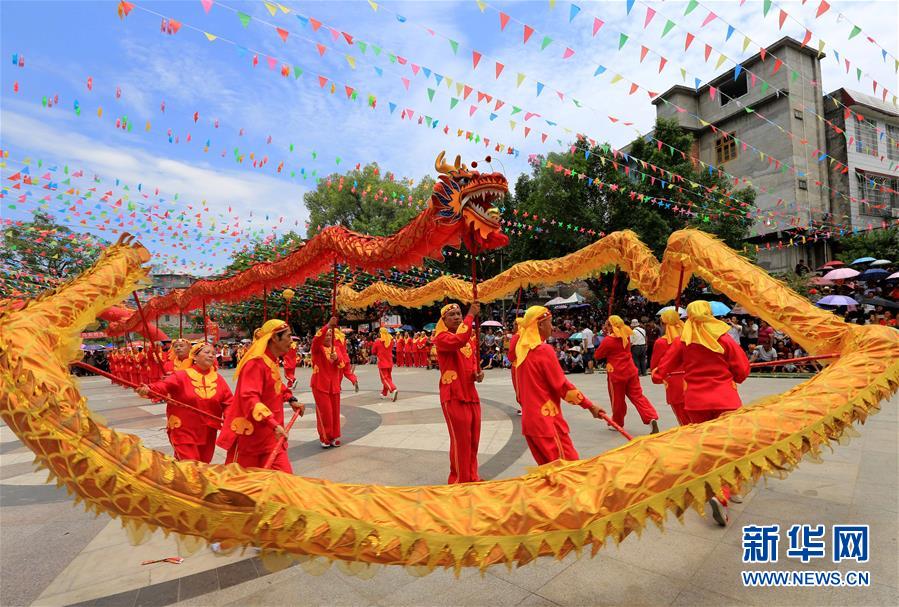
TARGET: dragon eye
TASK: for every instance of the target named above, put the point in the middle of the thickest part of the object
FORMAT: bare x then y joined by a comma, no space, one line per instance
463,181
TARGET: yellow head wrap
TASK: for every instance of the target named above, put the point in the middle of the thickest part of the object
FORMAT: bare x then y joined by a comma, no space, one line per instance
620,329
261,337
530,332
441,326
338,334
385,337
518,323
673,324
702,328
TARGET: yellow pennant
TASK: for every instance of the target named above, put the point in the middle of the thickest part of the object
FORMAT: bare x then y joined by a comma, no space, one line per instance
351,60
210,37
272,9
720,61
373,5
521,78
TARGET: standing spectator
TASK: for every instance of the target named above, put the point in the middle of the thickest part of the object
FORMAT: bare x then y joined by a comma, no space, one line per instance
801,268
638,346
653,332
589,348
752,334
736,330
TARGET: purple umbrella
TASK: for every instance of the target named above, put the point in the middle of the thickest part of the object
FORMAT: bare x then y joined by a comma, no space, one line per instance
837,300
841,274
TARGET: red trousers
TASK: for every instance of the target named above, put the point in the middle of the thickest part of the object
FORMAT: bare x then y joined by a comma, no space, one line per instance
257,460
410,359
547,449
198,453
386,380
327,415
683,418
422,359
618,389
463,420
706,415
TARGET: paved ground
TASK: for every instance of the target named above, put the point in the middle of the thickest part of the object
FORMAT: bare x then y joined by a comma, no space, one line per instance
54,554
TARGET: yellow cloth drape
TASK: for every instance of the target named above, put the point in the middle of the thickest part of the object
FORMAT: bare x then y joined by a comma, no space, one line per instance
702,328
261,337
530,332
620,329
674,326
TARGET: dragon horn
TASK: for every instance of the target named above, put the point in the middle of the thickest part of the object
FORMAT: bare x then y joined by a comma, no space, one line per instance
440,164
458,161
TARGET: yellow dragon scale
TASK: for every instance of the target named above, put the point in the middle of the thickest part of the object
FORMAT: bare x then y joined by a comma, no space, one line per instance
555,509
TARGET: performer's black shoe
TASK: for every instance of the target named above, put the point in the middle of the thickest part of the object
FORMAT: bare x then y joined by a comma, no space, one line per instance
655,426
719,512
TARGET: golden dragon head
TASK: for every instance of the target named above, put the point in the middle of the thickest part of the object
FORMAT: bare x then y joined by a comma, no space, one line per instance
466,196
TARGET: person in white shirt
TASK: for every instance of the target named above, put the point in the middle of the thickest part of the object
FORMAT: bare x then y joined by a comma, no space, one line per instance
736,329
588,348
638,346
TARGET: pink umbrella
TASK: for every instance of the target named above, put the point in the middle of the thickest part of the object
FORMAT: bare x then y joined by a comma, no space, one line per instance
841,274
893,275
820,281
831,264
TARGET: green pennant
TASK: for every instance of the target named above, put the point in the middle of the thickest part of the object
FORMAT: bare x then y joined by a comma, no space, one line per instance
856,30
622,40
392,58
794,75
453,102
766,7
693,4
858,72
455,46
362,45
377,50
431,94
297,71
764,87
546,42
244,18
668,25
515,110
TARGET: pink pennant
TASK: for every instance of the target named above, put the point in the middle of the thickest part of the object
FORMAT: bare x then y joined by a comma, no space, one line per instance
405,82
568,53
528,32
650,13
597,23
415,69
334,34
472,110
709,18
475,59
272,62
503,21
499,104
207,5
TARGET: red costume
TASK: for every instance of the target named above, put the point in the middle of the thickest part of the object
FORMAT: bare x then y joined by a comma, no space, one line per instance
325,384
249,432
193,435
400,351
623,379
512,343
456,357
410,352
421,351
385,361
290,365
674,381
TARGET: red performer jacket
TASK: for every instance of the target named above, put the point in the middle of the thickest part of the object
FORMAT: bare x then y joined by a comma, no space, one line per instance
258,407
512,358
326,374
619,362
456,357
541,386
710,378
410,346
290,360
346,367
385,356
208,392
400,349
674,384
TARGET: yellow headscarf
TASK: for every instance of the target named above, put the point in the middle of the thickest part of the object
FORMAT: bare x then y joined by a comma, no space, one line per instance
620,329
441,326
261,337
530,332
338,334
518,323
674,326
702,328
385,337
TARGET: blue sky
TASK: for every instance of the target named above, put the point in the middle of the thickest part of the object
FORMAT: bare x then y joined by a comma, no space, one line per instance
65,43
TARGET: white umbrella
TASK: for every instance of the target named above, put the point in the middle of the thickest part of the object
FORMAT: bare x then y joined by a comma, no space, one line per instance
841,274
680,311
880,262
491,323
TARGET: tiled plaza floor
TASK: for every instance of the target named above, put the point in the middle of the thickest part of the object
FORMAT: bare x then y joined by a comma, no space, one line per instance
54,554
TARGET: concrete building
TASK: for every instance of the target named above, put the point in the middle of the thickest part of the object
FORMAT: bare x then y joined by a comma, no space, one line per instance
869,147
164,284
716,112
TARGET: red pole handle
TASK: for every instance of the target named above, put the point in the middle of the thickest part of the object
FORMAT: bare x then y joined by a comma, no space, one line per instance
274,453
609,421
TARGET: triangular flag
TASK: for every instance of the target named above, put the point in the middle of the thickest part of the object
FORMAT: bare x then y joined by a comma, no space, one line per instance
668,25
643,51
503,21
688,41
475,59
622,40
431,94
315,24
690,6
709,18
455,46
373,5
650,13
321,48
597,23
322,81
528,32
281,32
244,18
730,32
272,9
351,60
822,8
573,13
405,82
546,42
521,78
209,36
568,53
499,68
781,18
207,5
856,30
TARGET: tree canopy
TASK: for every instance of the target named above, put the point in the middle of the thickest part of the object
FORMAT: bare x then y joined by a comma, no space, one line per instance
880,244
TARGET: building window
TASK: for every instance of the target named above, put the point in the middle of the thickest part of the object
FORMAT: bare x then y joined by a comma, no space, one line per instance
866,137
725,149
803,184
797,114
878,196
892,142
733,89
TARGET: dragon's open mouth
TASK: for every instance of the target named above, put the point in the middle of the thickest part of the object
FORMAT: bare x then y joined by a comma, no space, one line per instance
480,200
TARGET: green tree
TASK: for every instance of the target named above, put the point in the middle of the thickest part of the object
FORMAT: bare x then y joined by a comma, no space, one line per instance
44,251
366,200
880,244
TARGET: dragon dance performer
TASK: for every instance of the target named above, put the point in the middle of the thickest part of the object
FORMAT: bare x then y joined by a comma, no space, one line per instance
513,342
410,350
291,360
400,346
329,366
179,357
674,384
541,387
623,378
457,353
256,419
193,435
713,365
421,350
383,349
